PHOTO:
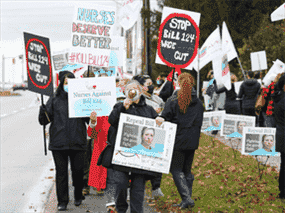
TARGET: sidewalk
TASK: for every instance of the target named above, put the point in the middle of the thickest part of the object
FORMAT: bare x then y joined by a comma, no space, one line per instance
93,203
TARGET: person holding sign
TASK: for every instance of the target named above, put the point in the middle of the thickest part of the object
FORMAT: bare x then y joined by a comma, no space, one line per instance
279,114
134,104
68,139
232,106
185,110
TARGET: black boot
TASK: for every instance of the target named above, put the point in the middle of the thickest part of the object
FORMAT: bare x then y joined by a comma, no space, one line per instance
78,196
190,178
183,189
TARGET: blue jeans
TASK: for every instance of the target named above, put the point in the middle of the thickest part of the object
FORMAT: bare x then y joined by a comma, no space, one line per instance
136,191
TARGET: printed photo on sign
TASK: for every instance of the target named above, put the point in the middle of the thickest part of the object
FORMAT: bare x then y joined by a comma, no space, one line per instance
141,144
88,94
212,120
233,125
143,140
259,141
104,71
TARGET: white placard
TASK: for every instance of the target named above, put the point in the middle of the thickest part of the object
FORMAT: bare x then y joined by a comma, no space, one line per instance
133,132
212,120
258,61
88,94
277,67
258,141
167,11
278,14
93,27
232,125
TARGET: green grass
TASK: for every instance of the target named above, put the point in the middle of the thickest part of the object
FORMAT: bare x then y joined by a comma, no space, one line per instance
224,183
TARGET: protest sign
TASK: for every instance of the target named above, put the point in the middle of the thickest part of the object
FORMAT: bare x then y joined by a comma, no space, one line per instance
129,12
116,56
104,71
141,144
178,39
219,99
212,120
38,61
278,14
207,98
91,94
258,61
277,67
60,61
92,31
258,141
232,125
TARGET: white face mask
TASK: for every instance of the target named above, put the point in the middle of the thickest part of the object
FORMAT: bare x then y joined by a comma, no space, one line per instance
65,87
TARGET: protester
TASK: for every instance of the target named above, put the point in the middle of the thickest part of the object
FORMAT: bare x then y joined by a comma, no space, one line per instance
249,91
135,106
185,110
98,174
151,100
67,141
166,89
147,88
90,145
232,106
279,115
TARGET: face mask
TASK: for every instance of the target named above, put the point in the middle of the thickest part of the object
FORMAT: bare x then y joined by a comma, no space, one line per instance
150,89
65,87
134,95
158,81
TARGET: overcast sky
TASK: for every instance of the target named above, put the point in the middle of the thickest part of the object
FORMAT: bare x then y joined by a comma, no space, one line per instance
50,19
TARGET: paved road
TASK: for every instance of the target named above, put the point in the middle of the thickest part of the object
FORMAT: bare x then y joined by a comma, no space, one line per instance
22,151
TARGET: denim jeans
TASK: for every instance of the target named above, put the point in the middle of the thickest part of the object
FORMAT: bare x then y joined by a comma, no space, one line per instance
136,191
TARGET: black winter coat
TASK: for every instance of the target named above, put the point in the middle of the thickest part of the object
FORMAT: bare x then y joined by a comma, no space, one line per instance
166,91
279,114
65,133
249,91
140,109
188,124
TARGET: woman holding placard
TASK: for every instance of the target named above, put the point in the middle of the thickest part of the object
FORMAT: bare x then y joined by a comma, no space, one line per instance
134,104
186,110
68,140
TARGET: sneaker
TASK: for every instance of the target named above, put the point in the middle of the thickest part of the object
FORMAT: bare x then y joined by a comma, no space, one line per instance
157,193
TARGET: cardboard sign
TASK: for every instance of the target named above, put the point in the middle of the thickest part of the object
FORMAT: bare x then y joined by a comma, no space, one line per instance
258,61
141,144
233,125
88,94
38,61
212,120
178,38
277,67
258,141
92,31
59,61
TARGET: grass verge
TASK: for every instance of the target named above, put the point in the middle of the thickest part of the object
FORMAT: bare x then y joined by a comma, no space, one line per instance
224,183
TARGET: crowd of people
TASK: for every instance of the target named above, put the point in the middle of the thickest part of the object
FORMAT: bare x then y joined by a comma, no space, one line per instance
82,140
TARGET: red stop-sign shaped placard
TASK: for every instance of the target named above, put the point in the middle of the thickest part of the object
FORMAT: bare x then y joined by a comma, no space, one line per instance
178,40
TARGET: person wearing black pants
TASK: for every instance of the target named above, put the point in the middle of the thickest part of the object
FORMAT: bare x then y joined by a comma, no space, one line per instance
68,141
185,110
61,158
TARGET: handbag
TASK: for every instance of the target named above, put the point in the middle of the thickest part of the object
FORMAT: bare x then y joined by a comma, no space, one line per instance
105,158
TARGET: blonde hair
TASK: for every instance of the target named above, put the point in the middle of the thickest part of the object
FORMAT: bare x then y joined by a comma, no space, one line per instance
186,82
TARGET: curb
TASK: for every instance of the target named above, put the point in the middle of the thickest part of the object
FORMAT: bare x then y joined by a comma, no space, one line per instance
39,195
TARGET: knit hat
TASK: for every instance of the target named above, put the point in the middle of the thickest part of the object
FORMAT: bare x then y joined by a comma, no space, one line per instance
64,74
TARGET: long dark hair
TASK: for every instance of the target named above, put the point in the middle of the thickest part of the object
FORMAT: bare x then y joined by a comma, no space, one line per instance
186,82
